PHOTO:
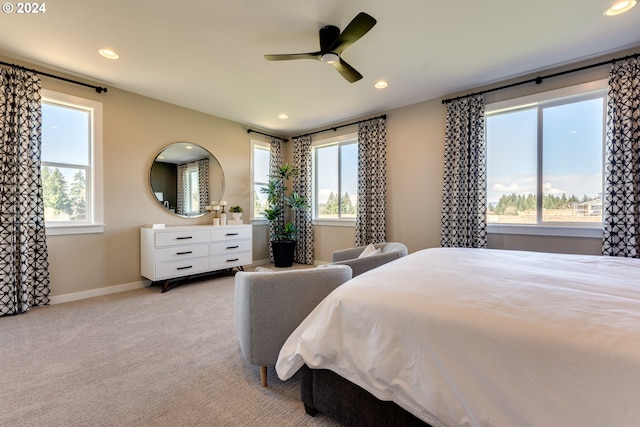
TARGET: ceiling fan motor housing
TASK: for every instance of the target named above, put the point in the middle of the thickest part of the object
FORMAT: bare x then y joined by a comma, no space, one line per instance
328,35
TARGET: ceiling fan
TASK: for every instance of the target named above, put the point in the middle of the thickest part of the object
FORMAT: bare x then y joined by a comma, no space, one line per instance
332,43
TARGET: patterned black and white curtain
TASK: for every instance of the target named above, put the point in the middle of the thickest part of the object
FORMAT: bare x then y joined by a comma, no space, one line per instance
24,261
181,190
372,182
303,185
203,185
276,159
621,216
464,193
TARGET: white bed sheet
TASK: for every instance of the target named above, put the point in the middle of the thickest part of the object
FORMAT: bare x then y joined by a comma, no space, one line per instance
481,337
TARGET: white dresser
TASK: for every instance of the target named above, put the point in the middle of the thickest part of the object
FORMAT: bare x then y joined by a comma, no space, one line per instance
172,252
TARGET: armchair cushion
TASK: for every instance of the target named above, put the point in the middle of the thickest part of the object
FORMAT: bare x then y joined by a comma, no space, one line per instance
389,251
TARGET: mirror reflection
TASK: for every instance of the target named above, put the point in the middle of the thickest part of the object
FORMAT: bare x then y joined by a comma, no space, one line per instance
185,178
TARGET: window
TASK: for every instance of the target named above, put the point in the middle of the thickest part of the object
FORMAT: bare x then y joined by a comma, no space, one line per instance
545,159
260,158
335,170
71,164
193,189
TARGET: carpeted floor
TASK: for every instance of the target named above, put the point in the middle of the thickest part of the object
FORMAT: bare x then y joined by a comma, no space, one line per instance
139,358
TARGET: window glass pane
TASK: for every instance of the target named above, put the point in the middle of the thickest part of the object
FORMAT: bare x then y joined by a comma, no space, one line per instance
512,167
572,162
193,192
260,165
327,181
349,180
65,134
259,200
64,194
261,156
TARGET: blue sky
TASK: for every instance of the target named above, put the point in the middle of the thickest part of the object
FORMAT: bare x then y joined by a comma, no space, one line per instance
64,135
572,154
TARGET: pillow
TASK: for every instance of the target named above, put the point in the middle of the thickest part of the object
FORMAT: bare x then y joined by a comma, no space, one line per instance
369,250
264,270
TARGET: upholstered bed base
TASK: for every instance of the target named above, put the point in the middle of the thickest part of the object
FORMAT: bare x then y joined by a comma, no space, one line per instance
326,392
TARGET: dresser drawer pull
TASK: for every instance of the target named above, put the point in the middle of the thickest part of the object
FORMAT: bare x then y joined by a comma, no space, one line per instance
184,253
233,260
232,234
233,247
185,268
184,238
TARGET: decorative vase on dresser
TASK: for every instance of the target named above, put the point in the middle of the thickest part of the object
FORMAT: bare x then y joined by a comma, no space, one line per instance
181,251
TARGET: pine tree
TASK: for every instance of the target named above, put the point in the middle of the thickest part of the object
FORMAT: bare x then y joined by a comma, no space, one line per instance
54,188
78,197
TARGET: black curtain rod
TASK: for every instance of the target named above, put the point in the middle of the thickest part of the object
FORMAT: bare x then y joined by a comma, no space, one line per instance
539,79
98,89
266,134
335,128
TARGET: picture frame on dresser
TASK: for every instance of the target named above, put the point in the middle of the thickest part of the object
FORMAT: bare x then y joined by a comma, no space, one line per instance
173,253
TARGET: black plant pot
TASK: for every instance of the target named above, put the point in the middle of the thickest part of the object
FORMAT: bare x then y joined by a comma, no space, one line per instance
283,251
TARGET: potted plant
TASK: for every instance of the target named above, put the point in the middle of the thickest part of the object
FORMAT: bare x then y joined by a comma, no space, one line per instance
283,233
236,212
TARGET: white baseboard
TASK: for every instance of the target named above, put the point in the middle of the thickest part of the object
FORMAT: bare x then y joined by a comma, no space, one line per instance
75,296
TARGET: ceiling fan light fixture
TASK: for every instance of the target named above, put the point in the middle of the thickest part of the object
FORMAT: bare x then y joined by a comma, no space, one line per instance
330,58
620,7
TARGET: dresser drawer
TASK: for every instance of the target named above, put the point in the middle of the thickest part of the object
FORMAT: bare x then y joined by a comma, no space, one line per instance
175,253
230,247
182,268
220,262
230,233
185,237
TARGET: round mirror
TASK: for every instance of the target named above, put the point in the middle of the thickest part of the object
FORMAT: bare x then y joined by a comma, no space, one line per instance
185,178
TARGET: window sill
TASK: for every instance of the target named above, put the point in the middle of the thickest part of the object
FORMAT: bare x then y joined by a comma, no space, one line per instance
60,230
335,222
538,230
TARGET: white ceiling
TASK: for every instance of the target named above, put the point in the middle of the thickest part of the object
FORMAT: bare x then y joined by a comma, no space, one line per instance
208,54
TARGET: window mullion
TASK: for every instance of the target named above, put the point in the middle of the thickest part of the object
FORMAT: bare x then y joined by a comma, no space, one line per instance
339,181
539,185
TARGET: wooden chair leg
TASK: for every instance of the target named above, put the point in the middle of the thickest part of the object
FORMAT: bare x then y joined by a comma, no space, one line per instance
263,375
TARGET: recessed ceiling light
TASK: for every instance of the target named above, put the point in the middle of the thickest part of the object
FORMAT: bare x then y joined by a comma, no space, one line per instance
108,53
620,7
381,84
283,116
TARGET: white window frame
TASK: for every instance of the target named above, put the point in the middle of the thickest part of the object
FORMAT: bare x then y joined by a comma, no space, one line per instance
593,230
337,140
95,193
254,216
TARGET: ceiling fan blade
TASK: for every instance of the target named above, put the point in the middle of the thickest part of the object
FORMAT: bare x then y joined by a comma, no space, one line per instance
347,71
289,56
358,27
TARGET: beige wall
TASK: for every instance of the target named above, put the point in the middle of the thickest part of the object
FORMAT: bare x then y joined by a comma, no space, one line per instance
415,154
136,128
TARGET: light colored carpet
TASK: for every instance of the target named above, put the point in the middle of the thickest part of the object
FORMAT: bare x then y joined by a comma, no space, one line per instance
139,358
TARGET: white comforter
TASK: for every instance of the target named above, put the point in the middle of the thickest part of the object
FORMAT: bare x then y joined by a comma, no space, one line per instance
480,337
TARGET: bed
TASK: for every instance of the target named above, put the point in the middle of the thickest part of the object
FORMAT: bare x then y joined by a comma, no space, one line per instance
477,337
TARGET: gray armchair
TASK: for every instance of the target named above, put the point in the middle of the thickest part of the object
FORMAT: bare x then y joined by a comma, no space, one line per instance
389,251
270,305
